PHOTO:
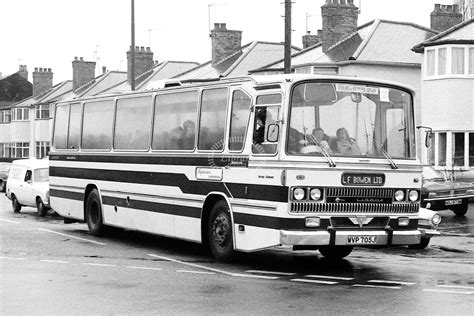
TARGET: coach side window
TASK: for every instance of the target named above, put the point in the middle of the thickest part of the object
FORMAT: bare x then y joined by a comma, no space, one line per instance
212,120
61,120
133,123
175,121
98,123
239,120
75,119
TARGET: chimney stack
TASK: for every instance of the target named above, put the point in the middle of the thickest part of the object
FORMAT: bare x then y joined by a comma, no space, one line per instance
339,21
42,81
224,42
82,72
143,61
23,72
445,17
311,39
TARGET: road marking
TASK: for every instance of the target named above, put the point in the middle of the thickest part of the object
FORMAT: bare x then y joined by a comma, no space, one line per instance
270,272
11,258
456,287
212,269
8,221
328,277
391,282
378,286
195,272
255,276
448,291
74,237
314,281
53,261
99,264
143,268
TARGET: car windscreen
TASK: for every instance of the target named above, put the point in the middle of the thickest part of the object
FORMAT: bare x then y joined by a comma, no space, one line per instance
41,175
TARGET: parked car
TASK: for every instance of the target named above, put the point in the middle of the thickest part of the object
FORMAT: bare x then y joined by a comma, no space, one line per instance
4,169
439,193
28,185
428,222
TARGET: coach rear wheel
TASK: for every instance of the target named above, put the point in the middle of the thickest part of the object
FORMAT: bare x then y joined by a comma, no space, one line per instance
15,204
94,217
335,252
42,209
219,230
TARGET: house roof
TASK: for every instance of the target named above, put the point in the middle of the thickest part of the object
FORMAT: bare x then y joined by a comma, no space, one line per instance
166,70
251,56
57,93
462,33
101,83
379,41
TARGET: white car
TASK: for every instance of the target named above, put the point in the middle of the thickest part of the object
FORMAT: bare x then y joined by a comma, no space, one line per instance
428,222
28,184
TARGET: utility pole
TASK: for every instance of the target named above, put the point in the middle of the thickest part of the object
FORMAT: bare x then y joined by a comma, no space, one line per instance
132,50
287,57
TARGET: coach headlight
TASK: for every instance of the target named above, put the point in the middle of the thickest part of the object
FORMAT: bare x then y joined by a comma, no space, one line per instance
413,195
315,194
399,195
299,194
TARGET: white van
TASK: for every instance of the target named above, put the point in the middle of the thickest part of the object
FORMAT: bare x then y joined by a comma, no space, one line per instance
28,184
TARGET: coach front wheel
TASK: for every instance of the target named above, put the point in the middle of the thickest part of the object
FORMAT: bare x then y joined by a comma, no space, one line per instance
335,252
94,217
219,230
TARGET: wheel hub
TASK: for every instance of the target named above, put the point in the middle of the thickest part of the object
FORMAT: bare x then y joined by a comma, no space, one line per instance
220,228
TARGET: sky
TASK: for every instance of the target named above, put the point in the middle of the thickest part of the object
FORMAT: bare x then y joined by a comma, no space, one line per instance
50,33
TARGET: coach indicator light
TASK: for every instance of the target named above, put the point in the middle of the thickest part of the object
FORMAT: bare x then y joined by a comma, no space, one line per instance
313,222
403,221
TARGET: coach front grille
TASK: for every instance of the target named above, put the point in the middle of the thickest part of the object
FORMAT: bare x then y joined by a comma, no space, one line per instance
378,208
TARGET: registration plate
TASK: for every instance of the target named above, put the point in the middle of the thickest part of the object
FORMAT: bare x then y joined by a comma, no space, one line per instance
453,202
361,240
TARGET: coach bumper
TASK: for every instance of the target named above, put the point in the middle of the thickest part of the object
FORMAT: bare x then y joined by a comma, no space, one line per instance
349,237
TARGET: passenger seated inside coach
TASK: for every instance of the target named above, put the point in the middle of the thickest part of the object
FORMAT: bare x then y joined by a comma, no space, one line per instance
189,128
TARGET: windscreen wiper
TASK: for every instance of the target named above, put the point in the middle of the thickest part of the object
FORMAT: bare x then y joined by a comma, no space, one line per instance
386,154
325,153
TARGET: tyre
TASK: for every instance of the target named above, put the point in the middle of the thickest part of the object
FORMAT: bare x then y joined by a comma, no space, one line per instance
219,232
42,209
422,245
15,204
94,217
460,210
335,252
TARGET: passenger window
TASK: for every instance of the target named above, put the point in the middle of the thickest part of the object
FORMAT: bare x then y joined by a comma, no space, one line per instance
97,127
132,123
175,121
61,126
212,120
74,136
239,120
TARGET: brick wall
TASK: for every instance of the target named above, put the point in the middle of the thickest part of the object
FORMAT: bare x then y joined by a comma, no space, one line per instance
224,42
444,17
42,80
339,21
143,61
82,72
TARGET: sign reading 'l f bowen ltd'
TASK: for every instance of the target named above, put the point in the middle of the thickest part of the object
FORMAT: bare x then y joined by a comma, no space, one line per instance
362,179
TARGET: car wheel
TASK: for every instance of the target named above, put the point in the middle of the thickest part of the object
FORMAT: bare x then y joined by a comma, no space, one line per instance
94,216
460,210
219,232
15,204
335,252
422,245
42,209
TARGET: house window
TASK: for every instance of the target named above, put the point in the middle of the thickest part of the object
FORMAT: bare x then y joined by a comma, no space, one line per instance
458,149
442,60
471,60
441,149
430,62
42,149
457,60
43,111
20,114
20,150
5,116
5,150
